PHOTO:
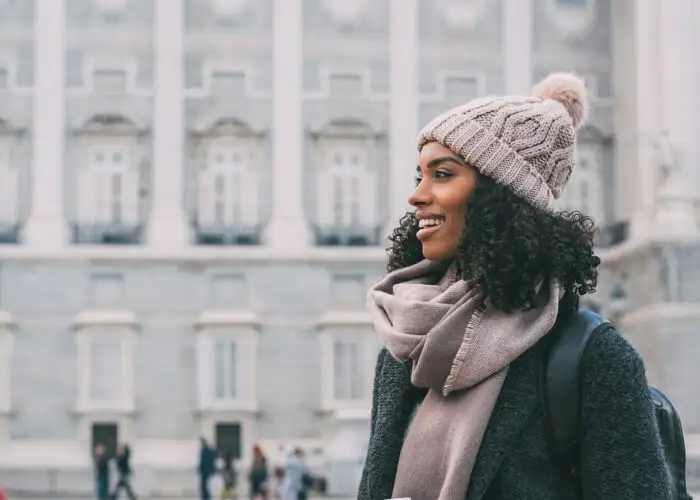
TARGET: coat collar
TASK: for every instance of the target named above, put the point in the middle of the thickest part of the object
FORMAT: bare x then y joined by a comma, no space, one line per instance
517,401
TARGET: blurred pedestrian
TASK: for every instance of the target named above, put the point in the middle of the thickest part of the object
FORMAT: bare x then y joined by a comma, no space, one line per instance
125,472
228,475
206,468
258,475
101,465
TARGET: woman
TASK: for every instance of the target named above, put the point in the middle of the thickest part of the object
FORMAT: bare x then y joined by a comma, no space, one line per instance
124,470
478,276
258,475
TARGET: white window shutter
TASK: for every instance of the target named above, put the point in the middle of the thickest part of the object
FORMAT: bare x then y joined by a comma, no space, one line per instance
8,188
368,201
86,202
325,198
130,191
205,197
102,195
249,197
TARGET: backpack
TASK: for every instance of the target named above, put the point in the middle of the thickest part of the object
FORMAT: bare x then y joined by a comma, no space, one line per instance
561,378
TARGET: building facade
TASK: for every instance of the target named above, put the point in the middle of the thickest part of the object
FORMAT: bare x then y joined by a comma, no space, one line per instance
195,195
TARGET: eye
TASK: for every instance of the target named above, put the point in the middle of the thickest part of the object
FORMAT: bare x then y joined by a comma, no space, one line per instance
417,179
443,174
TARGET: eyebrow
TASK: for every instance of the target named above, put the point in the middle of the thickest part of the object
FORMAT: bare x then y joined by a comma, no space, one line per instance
435,162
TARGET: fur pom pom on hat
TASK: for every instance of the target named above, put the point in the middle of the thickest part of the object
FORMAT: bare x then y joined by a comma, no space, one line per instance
568,90
525,142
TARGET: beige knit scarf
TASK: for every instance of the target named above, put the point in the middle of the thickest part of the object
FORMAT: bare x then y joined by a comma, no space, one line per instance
461,352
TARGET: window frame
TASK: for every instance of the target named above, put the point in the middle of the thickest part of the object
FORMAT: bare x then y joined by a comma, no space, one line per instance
241,328
347,326
90,326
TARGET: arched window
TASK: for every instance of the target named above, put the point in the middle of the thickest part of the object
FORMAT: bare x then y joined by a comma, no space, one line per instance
227,200
346,184
228,188
109,185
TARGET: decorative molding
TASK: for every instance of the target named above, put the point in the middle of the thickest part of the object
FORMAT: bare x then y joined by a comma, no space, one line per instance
346,12
111,6
573,21
326,75
228,8
216,123
126,65
217,318
441,82
105,317
345,318
198,255
213,66
461,14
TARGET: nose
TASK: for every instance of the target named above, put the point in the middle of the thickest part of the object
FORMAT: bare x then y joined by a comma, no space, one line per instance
422,195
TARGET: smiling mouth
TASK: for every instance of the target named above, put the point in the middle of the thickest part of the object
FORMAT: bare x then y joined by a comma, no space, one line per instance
426,227
430,223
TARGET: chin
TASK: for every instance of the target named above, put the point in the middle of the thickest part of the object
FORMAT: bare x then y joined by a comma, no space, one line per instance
437,253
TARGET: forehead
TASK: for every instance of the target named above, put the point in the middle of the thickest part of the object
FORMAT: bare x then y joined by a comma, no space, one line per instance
435,150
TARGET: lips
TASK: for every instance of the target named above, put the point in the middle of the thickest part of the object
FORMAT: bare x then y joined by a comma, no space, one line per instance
428,227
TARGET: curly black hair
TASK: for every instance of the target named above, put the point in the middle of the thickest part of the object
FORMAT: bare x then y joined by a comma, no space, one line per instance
509,245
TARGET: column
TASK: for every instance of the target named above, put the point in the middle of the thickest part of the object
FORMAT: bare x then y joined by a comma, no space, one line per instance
288,228
167,228
46,227
678,110
403,120
517,46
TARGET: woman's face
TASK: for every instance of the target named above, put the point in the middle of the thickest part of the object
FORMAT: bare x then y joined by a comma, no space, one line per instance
444,182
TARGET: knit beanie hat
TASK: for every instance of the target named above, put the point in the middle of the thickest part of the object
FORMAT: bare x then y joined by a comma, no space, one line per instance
526,143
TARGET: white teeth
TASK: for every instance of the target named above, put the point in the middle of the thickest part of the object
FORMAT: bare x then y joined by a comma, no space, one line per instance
430,222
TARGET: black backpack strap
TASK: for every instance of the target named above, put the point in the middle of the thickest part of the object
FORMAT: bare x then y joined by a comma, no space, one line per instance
561,384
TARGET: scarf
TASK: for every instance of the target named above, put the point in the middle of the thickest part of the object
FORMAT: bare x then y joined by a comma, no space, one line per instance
460,350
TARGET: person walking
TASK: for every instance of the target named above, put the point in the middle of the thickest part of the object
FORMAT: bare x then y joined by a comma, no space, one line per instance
258,475
206,467
125,472
101,465
294,471
479,273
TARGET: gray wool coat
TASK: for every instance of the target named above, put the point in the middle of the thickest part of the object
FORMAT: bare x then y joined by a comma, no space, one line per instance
622,457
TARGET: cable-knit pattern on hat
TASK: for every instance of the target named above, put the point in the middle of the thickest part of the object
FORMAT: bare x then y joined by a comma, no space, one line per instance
526,143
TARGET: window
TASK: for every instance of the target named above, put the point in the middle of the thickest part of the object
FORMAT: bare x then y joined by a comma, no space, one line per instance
108,188
348,371
348,351
346,190
584,191
106,361
228,189
225,365
8,188
226,361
